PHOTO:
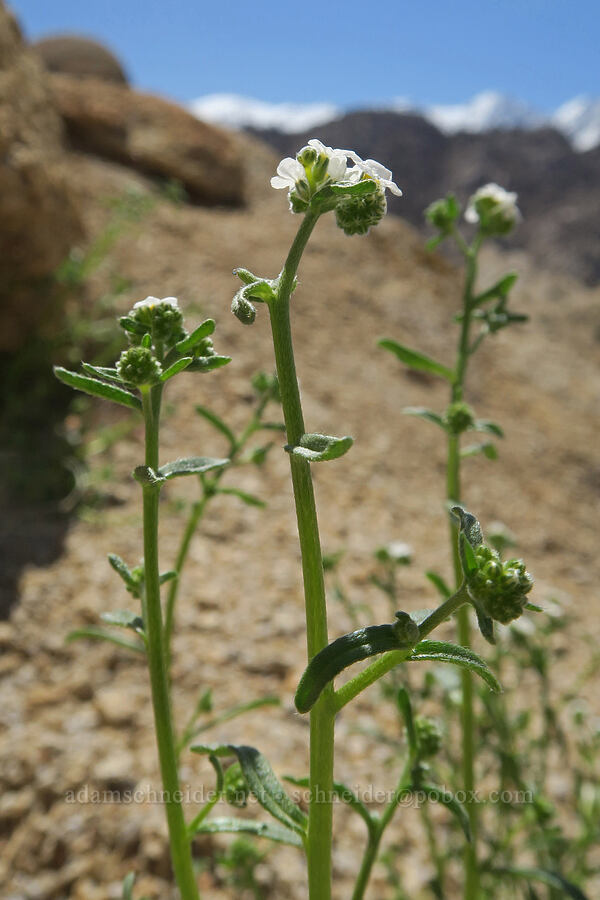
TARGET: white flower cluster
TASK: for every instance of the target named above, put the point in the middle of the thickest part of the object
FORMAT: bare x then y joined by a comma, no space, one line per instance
291,173
492,197
151,302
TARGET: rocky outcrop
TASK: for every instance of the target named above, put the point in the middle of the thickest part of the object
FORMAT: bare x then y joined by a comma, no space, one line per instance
75,55
39,221
151,135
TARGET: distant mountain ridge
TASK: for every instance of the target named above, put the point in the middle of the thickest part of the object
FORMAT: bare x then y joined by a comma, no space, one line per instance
578,119
558,187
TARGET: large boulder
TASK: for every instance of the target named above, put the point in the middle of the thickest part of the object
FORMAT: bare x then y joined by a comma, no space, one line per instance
75,55
151,135
39,221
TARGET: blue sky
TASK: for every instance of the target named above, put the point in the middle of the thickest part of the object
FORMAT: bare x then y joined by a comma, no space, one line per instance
351,53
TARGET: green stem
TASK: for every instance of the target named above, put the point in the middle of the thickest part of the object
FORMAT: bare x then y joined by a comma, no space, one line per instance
180,845
453,494
376,833
390,660
319,838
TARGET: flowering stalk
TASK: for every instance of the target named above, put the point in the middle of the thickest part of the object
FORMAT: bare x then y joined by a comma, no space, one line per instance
318,180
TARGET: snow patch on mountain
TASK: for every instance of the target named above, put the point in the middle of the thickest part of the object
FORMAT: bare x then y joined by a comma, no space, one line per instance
578,119
234,111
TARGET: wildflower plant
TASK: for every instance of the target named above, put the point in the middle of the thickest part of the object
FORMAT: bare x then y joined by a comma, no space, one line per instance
321,180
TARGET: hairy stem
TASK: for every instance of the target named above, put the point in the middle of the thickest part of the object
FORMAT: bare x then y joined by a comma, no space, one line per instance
180,845
319,839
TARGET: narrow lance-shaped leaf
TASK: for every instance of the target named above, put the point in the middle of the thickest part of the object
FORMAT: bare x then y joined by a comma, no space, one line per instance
123,570
123,618
443,651
345,651
208,363
437,794
439,583
544,876
198,334
269,830
177,367
343,793
102,372
415,360
500,289
423,413
191,465
320,447
97,388
217,423
244,496
262,782
486,448
96,633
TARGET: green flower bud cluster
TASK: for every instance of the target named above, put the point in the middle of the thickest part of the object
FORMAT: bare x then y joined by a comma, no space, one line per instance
235,787
356,215
500,587
459,417
494,209
138,366
266,386
161,319
442,214
429,736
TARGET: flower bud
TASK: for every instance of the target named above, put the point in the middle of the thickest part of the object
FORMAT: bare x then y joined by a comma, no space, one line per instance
494,209
243,309
459,417
161,319
442,214
429,736
500,587
235,786
355,215
138,366
307,157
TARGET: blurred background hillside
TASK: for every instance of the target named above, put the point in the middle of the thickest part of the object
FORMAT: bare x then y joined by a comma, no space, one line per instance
136,150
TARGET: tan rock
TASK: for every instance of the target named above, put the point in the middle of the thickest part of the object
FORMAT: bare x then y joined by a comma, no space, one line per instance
116,706
151,135
80,56
39,220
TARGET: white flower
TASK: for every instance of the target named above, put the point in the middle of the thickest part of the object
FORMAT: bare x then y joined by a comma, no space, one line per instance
151,302
289,172
372,169
399,551
505,203
338,163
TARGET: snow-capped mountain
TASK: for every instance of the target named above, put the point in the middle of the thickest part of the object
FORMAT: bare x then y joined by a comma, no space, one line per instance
483,112
235,111
578,119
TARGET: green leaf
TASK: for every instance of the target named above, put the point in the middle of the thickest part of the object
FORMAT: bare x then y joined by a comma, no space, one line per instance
191,465
437,794
128,883
248,499
268,830
198,334
439,583
262,782
147,477
177,367
272,426
500,289
532,607
359,189
123,570
485,622
545,876
343,793
405,707
423,413
131,325
217,423
416,360
487,448
102,372
320,447
97,388
488,427
208,363
123,618
443,651
94,632
340,654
